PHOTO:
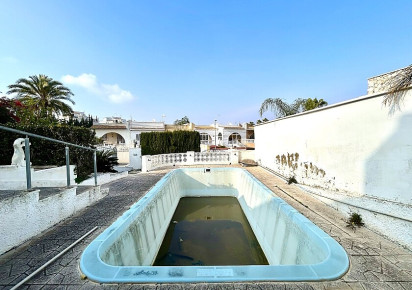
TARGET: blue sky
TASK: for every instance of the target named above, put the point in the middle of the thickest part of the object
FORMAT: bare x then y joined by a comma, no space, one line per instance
203,59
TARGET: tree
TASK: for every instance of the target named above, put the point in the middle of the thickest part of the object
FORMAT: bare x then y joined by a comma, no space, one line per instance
281,108
311,104
183,121
397,87
8,109
43,95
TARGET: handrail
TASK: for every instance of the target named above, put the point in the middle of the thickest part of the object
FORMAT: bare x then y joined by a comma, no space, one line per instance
45,138
27,154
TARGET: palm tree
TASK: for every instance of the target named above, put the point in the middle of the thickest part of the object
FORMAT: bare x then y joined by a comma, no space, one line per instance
311,104
281,108
43,94
397,87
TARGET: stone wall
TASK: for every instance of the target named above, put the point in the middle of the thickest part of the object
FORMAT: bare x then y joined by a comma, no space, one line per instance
377,84
24,215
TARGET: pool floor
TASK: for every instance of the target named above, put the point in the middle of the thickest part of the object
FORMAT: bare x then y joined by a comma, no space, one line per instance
209,231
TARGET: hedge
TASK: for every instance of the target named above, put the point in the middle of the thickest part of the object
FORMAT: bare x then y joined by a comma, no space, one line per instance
44,152
154,143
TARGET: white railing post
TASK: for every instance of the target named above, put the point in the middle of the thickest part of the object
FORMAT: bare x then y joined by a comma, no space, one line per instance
234,157
190,157
146,163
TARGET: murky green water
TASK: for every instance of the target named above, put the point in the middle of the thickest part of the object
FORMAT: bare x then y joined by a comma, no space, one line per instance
209,231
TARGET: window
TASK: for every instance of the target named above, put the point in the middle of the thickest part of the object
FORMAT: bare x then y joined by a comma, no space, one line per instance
205,137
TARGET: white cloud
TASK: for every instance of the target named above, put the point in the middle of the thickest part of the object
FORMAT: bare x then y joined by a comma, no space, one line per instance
113,93
9,59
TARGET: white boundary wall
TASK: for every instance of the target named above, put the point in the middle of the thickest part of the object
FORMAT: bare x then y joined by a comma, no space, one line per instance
356,149
24,215
13,177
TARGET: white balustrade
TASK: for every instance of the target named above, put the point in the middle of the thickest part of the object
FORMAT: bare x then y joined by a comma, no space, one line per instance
150,162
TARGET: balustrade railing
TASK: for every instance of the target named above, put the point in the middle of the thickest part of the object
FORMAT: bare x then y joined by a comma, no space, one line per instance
150,162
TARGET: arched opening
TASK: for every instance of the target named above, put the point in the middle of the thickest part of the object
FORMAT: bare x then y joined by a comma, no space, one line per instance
219,138
205,138
112,138
235,139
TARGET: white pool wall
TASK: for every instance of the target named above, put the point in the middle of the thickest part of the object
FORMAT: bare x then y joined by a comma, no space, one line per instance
296,249
274,222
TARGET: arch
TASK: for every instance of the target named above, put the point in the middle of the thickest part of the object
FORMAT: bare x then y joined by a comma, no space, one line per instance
113,138
235,139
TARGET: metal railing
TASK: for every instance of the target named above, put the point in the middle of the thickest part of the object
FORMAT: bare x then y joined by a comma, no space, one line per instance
27,154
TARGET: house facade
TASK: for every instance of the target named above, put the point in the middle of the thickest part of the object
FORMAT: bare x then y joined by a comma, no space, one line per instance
118,132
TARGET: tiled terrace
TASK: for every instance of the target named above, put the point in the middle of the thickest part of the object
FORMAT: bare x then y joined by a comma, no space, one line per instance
376,263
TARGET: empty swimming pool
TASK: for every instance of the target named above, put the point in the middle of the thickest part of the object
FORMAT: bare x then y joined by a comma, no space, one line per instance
295,248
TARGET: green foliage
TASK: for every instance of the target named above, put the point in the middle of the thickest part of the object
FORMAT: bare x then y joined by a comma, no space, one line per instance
262,121
292,179
106,159
87,123
355,219
154,143
183,121
281,108
311,104
43,96
44,152
8,109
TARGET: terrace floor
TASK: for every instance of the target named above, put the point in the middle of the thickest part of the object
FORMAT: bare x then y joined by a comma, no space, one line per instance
376,263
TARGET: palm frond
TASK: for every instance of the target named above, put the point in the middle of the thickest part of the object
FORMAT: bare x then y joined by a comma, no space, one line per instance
277,105
45,95
397,87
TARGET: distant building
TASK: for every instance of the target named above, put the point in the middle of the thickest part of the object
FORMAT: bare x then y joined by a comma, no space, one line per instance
116,131
113,120
232,136
137,128
78,116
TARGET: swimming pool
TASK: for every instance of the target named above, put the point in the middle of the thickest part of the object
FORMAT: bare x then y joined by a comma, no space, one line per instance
296,249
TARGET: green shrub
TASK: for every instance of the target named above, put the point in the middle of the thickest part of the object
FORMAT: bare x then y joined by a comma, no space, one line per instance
355,219
154,143
105,160
44,152
292,179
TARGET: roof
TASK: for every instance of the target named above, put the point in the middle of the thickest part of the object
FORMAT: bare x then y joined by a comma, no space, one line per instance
147,125
109,126
205,127
234,127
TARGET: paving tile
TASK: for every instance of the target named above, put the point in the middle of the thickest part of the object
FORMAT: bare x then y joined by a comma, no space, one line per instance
406,285
382,286
376,263
333,285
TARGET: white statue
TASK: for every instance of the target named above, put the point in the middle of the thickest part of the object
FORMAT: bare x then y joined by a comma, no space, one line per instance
18,156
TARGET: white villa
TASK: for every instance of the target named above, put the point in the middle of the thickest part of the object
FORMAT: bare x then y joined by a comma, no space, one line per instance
121,133
75,116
